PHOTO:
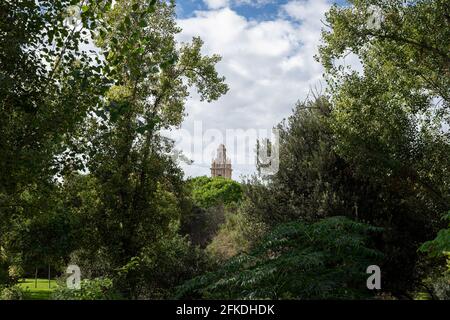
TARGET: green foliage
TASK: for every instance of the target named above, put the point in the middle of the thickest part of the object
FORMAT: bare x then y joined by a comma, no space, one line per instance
202,224
47,85
236,234
37,289
87,171
312,180
12,293
95,289
152,69
4,276
388,120
163,265
436,283
410,49
441,244
208,192
437,278
131,199
86,175
317,179
324,260
16,272
49,81
43,240
210,200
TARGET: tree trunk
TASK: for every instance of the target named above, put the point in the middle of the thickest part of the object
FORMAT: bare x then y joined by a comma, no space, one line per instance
49,276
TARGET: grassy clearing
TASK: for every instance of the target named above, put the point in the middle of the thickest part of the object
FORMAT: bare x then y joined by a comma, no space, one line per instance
41,292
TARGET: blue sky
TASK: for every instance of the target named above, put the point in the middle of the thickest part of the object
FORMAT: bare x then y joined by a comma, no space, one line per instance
250,10
259,10
267,50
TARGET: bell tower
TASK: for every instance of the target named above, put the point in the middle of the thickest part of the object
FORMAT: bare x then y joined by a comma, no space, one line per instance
221,165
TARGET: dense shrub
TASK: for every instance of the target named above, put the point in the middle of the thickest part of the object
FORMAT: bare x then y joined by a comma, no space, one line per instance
12,293
237,234
207,192
323,260
95,289
162,266
211,200
436,280
315,181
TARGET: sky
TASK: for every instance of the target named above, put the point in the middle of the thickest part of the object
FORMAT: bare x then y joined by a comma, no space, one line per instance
267,50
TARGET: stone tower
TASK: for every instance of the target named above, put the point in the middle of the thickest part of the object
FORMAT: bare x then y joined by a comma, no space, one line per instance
221,166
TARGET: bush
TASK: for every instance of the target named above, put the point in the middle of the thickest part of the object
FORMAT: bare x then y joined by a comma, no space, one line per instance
201,225
437,279
208,192
212,199
161,267
324,260
95,289
4,277
236,235
15,272
439,246
12,293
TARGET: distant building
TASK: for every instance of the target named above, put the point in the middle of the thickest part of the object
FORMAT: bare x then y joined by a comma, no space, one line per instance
221,165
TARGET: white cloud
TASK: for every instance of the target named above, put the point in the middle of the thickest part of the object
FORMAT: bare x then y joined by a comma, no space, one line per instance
216,4
269,65
306,11
255,3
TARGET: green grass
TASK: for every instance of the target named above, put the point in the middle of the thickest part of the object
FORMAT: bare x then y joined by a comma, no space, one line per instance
41,292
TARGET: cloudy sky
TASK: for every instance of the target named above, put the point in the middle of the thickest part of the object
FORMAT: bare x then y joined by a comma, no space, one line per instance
267,50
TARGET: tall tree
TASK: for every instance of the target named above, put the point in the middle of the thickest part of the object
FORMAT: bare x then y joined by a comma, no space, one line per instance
136,181
48,82
399,105
389,120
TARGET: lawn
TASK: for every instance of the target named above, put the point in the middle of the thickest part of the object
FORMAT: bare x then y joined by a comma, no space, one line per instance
41,292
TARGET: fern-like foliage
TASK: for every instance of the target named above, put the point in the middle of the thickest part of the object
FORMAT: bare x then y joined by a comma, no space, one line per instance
323,260
440,246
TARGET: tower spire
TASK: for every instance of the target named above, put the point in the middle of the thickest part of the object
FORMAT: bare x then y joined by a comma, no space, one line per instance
221,165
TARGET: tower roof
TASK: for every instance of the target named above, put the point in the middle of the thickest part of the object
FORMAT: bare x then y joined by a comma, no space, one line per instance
221,165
